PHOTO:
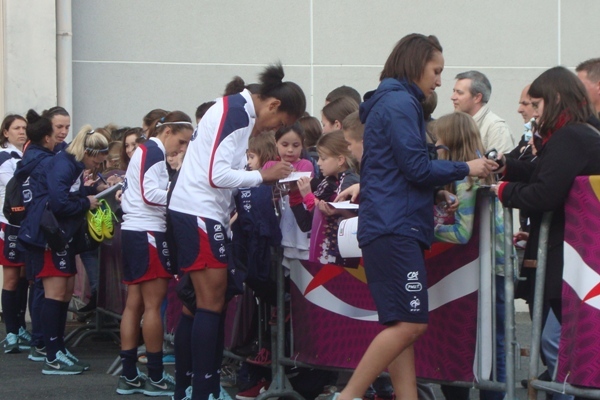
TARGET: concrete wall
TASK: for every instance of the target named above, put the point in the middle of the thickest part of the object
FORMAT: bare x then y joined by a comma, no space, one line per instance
134,55
29,57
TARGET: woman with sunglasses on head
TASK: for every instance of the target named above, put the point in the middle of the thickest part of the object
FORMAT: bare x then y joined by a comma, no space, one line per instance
146,265
200,209
57,184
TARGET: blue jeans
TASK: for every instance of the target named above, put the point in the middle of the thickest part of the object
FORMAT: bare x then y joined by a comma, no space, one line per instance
90,260
550,341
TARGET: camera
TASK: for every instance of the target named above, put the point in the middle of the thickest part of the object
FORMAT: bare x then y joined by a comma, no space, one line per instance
493,155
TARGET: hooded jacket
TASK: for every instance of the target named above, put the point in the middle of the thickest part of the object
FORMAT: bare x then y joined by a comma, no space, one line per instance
32,169
397,176
58,182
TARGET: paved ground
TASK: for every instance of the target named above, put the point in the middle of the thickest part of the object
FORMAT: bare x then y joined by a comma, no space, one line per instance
22,379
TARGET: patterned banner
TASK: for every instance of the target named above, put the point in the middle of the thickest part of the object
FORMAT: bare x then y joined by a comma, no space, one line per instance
579,349
334,317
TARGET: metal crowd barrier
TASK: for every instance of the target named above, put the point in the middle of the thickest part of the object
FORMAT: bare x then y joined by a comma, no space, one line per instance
535,384
281,387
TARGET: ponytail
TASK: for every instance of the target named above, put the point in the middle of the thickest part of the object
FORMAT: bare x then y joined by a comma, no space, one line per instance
176,120
38,127
291,96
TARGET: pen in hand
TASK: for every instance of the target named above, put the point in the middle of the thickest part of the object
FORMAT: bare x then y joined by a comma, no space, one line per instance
102,179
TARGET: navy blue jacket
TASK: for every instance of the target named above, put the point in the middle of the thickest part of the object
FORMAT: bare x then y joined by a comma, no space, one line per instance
51,183
34,165
397,177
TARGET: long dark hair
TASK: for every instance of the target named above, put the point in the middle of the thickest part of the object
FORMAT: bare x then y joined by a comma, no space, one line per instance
565,99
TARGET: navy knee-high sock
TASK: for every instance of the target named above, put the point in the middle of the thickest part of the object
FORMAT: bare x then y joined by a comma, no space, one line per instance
51,319
37,301
10,311
205,332
216,379
183,355
64,310
22,291
155,365
129,360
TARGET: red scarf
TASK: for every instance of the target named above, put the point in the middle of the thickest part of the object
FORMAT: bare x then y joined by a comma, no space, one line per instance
563,118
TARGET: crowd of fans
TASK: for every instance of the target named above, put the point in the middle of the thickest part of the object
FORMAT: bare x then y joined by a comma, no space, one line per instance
185,189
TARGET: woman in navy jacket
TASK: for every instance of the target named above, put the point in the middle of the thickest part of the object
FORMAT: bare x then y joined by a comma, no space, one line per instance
57,182
396,209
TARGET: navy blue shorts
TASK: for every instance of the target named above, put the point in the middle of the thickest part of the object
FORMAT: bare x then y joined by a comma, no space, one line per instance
201,242
10,256
395,269
145,256
43,263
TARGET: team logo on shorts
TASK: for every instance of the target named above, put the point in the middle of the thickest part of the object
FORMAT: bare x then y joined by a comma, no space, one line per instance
218,228
12,238
62,263
219,237
12,245
414,305
413,276
61,253
413,287
246,194
222,249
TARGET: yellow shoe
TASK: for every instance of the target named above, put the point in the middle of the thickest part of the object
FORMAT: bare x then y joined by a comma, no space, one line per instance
108,217
94,220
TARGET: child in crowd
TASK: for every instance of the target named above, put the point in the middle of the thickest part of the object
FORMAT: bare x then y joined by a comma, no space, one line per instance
131,139
334,113
313,130
146,266
337,166
459,133
255,232
353,134
295,240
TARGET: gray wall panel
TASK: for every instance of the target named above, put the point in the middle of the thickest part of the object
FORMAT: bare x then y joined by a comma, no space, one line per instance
579,31
179,54
124,93
191,31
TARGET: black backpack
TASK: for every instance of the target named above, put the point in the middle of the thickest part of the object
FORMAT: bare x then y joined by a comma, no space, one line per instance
16,196
14,205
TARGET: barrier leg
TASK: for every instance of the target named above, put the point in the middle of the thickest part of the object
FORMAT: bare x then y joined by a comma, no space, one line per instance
538,303
510,342
280,385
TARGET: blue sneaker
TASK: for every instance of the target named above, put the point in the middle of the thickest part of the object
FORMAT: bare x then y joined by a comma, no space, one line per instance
164,387
11,344
136,385
61,365
24,339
